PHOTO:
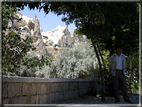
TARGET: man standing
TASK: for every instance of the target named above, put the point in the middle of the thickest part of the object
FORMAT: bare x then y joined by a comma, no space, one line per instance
117,63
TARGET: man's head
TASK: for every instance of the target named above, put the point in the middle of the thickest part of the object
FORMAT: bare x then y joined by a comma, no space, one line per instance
119,50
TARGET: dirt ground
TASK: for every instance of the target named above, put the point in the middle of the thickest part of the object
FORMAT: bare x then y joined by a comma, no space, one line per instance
97,100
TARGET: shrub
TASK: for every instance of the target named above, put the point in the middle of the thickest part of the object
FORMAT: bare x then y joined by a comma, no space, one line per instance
31,64
13,47
77,62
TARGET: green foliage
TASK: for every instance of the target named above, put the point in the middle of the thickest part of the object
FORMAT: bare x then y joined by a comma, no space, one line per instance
13,47
32,66
134,86
113,23
135,61
76,62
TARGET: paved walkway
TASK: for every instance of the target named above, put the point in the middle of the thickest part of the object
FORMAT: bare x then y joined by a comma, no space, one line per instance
91,100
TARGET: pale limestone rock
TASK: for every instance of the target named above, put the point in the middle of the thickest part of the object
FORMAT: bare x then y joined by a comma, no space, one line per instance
21,23
38,42
31,25
25,33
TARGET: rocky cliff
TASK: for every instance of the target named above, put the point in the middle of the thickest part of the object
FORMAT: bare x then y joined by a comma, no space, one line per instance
52,40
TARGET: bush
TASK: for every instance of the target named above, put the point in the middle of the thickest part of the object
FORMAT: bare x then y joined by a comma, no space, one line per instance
13,47
77,62
31,64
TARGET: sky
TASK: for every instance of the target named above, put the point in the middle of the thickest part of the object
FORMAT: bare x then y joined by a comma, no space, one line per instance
47,22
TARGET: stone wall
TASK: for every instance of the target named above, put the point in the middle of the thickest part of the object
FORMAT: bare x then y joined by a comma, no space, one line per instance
29,90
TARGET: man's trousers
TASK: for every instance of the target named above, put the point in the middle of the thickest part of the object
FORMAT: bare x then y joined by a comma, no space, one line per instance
119,79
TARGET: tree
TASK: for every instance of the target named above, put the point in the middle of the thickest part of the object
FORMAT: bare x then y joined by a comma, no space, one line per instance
13,48
95,16
15,59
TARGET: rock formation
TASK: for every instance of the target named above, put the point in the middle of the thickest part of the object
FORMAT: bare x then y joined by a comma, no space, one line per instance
37,40
31,28
44,41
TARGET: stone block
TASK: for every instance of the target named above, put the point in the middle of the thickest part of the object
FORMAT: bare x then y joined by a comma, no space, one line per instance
26,89
47,87
33,99
37,99
65,86
57,95
48,98
61,96
33,89
18,89
59,87
71,86
28,99
52,97
43,89
13,100
87,85
22,100
38,88
53,87
73,91
11,90
43,99
17,100
66,95
71,94
4,90
81,85
80,92
75,86
76,93
84,91
5,101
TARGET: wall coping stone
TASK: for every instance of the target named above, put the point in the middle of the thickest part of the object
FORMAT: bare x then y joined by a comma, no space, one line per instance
37,79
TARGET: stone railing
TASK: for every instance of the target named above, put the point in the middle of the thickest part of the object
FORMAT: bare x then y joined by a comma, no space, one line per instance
30,90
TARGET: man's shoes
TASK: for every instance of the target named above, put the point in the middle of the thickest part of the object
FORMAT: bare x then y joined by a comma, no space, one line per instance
116,101
128,101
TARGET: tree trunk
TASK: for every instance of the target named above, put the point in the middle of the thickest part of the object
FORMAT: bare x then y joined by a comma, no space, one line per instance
130,72
104,69
101,71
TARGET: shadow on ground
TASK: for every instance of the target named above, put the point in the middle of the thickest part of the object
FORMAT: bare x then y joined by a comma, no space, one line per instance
97,100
